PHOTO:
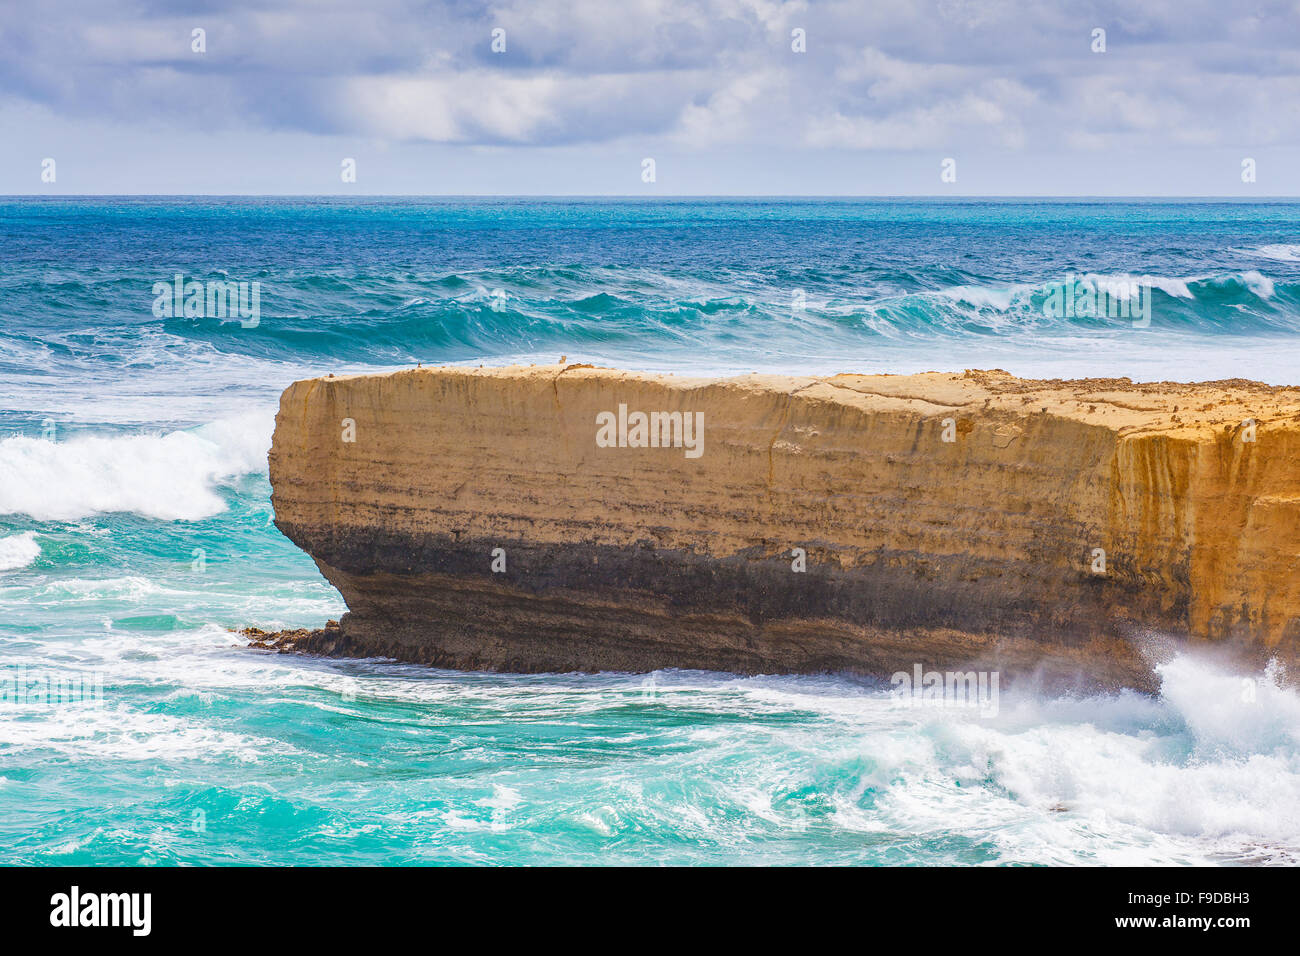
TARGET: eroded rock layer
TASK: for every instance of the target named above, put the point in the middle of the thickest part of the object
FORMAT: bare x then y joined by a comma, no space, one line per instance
506,519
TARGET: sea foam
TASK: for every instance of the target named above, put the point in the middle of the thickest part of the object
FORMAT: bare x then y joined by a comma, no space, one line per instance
18,551
1279,252
172,476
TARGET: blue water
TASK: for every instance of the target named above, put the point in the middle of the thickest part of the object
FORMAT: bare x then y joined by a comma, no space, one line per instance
135,533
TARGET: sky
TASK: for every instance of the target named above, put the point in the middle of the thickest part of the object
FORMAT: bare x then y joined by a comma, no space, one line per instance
726,97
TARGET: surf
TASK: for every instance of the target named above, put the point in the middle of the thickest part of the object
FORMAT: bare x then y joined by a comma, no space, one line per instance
169,476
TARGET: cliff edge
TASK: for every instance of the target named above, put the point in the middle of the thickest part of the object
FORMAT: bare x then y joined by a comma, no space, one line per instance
557,518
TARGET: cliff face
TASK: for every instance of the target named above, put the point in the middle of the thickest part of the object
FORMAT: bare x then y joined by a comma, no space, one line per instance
508,519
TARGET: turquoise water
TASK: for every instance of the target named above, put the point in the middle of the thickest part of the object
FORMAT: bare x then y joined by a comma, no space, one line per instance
135,534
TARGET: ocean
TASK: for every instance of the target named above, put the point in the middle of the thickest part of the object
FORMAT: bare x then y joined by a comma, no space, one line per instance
136,535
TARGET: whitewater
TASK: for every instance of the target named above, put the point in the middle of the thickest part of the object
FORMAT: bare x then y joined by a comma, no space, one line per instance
136,537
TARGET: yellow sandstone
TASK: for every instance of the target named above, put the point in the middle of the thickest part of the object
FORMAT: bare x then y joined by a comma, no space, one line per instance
518,519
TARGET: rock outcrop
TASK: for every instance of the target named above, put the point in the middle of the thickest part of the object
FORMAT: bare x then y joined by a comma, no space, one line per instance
522,519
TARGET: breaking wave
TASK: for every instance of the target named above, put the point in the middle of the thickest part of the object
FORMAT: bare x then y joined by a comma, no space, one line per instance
18,551
170,476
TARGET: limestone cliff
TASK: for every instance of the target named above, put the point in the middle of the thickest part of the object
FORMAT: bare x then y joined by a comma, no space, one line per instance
507,519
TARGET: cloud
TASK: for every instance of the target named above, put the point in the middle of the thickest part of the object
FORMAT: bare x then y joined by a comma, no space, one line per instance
927,74
483,106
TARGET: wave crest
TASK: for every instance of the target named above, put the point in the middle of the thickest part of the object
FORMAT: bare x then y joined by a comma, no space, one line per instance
18,551
172,476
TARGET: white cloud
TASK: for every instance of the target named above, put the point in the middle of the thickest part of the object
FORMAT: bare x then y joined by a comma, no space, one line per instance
907,75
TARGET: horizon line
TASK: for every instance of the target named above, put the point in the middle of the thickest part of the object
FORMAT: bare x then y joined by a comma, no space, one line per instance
652,198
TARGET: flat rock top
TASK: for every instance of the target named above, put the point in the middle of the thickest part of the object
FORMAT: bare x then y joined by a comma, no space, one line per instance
1191,410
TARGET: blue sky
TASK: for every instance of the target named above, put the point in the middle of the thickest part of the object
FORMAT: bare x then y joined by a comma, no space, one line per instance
1014,91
